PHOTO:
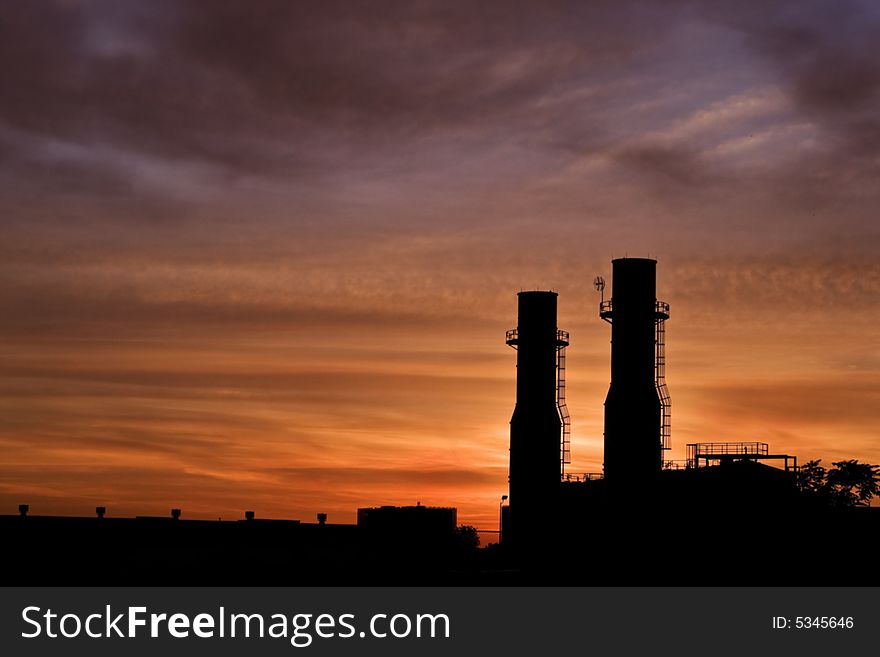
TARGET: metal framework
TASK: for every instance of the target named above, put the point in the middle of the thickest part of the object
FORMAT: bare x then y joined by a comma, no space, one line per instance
709,453
582,476
661,314
564,417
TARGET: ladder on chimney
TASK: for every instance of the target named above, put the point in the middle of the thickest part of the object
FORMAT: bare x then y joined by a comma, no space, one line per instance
564,417
660,382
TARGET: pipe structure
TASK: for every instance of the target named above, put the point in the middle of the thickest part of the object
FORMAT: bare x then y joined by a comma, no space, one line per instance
633,440
535,427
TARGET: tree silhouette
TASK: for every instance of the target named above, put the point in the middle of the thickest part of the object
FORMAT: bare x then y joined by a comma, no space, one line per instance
811,477
849,483
467,538
852,483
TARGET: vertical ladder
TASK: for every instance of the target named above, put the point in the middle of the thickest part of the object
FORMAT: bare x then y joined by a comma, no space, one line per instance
565,451
660,382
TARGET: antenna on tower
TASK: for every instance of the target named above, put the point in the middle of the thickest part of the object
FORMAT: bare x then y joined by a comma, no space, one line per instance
599,284
605,311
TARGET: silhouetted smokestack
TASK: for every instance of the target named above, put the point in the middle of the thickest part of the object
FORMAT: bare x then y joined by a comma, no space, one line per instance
633,441
535,428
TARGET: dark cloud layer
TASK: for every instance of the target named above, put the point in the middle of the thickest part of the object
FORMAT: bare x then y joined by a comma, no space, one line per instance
826,57
292,87
272,86
157,105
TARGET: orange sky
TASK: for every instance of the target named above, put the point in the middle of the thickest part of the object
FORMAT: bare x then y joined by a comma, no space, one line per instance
271,273
313,402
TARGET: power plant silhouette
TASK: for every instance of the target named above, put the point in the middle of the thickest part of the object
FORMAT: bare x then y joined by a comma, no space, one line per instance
537,439
724,515
637,408
643,514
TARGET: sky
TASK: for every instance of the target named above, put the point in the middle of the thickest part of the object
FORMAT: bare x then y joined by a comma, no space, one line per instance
263,255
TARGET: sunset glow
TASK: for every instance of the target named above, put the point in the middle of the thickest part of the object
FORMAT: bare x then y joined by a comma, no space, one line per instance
265,259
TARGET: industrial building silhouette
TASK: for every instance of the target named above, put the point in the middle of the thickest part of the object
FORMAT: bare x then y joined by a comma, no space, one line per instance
732,513
636,409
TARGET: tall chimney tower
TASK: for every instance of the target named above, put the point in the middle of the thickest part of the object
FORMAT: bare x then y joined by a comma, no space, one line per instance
637,405
536,437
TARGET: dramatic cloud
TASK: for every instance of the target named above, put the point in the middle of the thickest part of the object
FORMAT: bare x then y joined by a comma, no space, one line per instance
263,256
